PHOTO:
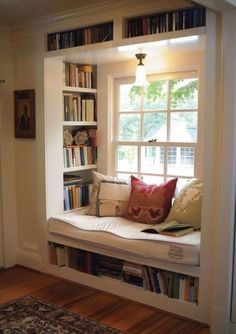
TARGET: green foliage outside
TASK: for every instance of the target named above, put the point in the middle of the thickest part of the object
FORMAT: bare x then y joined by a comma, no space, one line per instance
183,95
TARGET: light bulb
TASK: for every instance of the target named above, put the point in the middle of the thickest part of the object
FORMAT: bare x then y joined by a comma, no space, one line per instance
141,76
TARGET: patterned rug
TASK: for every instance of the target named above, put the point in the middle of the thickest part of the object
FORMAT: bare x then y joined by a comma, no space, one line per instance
31,315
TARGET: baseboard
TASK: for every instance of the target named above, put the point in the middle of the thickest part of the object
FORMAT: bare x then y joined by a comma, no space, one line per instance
232,328
29,260
219,321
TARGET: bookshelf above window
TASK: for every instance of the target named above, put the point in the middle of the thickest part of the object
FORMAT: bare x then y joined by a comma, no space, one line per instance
82,36
162,22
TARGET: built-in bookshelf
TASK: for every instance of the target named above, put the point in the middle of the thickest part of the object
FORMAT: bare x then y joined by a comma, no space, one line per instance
149,24
81,36
156,23
159,281
65,112
79,132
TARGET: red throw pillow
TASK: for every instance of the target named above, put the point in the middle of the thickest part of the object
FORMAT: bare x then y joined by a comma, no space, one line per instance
150,204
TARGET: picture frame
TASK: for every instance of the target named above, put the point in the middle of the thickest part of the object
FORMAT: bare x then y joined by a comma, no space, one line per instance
24,113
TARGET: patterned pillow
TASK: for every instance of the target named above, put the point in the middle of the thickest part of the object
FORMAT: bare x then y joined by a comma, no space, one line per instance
187,204
97,179
150,203
113,199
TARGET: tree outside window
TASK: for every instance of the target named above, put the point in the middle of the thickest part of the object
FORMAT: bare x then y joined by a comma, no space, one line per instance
157,129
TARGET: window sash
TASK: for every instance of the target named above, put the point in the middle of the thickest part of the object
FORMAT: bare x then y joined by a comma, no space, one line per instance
162,144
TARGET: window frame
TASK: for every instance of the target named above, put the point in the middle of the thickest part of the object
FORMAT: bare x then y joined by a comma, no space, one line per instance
165,144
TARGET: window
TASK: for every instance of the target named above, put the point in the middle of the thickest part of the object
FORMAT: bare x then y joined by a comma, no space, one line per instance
156,128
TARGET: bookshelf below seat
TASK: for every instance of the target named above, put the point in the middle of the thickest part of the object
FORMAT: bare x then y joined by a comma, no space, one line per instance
78,261
159,281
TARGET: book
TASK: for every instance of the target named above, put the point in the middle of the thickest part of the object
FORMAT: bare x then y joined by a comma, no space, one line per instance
172,228
60,254
175,285
70,179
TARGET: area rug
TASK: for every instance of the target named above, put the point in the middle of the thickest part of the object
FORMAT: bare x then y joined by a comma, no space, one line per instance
31,315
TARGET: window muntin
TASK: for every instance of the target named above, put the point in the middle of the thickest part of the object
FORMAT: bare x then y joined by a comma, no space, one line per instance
157,128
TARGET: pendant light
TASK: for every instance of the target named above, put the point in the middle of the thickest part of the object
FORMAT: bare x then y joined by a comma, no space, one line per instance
141,79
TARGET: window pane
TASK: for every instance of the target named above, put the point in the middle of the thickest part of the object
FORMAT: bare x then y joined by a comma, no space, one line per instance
155,126
130,98
149,179
125,176
183,127
130,127
127,158
152,159
181,162
155,96
172,155
181,182
184,94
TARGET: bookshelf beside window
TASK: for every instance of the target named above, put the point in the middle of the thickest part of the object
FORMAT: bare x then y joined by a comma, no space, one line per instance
79,133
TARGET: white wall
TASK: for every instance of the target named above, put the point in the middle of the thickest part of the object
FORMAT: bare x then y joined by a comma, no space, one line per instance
29,153
27,183
7,157
226,222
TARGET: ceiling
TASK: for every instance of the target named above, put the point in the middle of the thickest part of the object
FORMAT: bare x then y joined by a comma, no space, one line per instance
18,12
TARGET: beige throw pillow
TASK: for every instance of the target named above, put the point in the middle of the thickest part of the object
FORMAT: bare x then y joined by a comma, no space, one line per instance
186,207
97,180
113,199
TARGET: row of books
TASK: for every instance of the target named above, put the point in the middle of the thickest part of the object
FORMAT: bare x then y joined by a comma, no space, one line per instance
76,196
82,36
76,156
169,21
78,75
72,179
171,284
79,107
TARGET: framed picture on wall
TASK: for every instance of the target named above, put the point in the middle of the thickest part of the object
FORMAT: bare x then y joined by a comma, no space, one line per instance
24,104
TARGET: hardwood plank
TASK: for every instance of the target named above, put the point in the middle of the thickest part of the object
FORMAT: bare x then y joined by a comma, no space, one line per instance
125,315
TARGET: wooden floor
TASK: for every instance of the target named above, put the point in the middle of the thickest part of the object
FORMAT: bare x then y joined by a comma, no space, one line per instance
127,316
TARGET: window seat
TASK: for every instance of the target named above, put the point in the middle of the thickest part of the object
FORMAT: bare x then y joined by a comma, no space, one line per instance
124,237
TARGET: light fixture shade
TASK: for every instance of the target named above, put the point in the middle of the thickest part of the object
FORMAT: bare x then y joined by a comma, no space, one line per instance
141,76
